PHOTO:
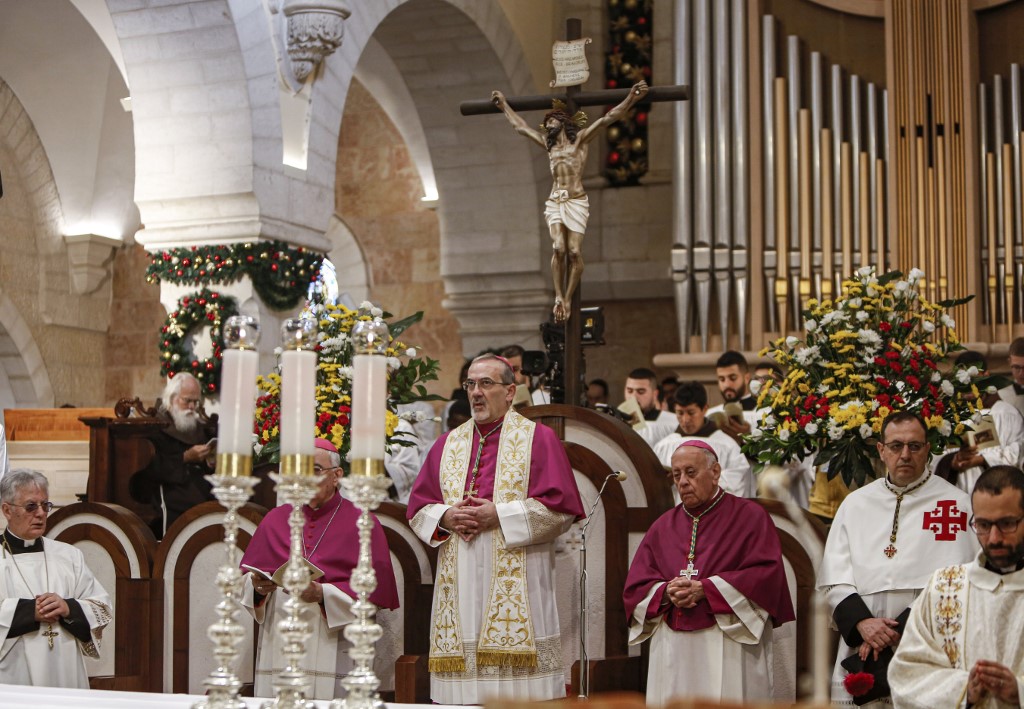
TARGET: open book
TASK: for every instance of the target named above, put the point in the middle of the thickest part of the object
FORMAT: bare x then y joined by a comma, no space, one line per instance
278,576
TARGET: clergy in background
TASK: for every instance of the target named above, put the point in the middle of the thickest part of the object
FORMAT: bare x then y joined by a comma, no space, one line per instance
53,610
707,585
330,541
494,494
887,539
963,641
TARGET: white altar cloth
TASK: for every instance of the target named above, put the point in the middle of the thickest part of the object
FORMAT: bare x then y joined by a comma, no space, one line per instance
21,697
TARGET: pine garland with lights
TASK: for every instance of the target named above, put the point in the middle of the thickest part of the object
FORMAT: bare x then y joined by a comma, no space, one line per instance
280,273
205,308
627,61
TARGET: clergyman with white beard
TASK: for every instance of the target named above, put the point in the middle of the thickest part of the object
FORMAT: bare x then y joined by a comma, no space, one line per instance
174,480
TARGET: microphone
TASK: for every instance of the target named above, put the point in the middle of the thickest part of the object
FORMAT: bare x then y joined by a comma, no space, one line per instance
619,475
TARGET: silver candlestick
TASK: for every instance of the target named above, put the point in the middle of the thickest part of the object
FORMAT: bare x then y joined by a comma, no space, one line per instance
296,485
232,486
366,487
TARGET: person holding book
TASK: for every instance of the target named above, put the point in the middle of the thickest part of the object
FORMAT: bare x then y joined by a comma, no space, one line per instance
330,539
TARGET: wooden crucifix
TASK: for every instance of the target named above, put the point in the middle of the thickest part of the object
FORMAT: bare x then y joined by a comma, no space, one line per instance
567,209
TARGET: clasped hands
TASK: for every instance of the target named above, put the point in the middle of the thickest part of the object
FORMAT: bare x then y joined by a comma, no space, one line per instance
50,608
877,634
684,593
991,678
470,517
966,458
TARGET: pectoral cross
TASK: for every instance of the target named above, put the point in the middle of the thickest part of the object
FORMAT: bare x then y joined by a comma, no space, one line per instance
689,572
471,492
50,634
890,551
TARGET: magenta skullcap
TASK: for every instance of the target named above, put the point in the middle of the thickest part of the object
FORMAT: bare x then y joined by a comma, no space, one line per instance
698,444
324,444
507,363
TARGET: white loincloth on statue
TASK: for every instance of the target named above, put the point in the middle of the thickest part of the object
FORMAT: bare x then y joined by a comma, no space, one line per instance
573,212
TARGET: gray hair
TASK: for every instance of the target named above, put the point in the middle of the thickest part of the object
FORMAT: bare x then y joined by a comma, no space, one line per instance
334,457
173,388
507,375
20,478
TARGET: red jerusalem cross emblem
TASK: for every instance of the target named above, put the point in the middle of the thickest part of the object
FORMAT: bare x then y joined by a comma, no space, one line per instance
945,521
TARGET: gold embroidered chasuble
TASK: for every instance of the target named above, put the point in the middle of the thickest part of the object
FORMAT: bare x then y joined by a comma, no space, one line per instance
506,635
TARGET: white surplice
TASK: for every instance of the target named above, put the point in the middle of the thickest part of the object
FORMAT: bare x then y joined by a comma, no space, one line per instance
28,658
740,641
933,532
661,426
737,477
326,660
533,527
965,613
1009,425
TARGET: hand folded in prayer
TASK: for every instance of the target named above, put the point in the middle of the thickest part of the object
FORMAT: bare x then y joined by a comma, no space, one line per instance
50,608
683,593
877,634
966,458
470,517
988,677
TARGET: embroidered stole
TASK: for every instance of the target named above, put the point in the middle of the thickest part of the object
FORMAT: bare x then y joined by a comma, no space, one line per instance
506,634
950,612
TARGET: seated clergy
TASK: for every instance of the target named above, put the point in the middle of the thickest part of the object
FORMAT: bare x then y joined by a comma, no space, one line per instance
962,646
52,609
330,539
707,585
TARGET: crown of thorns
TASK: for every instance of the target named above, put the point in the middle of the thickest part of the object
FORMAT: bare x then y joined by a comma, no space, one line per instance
560,109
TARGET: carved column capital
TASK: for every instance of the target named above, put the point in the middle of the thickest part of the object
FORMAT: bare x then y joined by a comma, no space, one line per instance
314,30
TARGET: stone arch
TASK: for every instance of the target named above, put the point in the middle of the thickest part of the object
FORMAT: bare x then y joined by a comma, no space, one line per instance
495,258
21,363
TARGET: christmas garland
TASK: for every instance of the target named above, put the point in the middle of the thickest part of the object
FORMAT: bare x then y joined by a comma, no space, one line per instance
205,308
628,60
280,273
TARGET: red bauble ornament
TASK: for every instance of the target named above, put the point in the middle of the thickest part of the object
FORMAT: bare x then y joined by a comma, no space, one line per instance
195,364
209,366
612,83
614,157
249,258
641,118
211,387
273,267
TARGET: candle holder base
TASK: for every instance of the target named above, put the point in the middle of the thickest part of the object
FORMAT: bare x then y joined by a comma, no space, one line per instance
366,492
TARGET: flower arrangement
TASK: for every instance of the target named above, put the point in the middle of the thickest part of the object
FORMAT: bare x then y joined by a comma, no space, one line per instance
876,349
407,374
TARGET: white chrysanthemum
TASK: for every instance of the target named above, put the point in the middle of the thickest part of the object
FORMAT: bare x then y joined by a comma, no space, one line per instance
855,302
947,386
915,275
962,376
756,433
366,305
866,431
870,291
869,337
973,371
411,352
811,429
945,428
769,421
792,341
862,315
936,377
807,355
901,287
278,351
394,363
834,316
822,388
784,434
865,271
928,326
810,325
835,431
376,312
947,321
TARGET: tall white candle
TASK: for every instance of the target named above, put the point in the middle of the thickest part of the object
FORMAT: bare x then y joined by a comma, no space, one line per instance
298,402
369,406
237,401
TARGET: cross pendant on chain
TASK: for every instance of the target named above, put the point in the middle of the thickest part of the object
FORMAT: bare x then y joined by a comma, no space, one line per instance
471,492
50,634
689,572
889,551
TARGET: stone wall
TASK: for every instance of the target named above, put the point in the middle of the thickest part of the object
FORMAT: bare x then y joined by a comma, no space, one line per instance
378,193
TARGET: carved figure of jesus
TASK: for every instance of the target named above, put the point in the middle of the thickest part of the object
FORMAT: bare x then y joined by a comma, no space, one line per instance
567,210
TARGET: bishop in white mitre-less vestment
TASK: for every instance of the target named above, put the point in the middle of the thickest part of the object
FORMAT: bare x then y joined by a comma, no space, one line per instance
48,654
876,562
965,613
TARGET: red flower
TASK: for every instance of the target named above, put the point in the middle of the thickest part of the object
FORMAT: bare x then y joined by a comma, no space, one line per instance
884,327
896,368
913,381
858,683
892,354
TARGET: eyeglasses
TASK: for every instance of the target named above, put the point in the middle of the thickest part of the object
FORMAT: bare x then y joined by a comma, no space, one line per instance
1007,525
896,447
319,469
484,384
33,506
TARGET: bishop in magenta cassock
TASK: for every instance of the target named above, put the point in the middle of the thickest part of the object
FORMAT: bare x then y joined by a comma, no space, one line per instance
330,539
707,584
494,494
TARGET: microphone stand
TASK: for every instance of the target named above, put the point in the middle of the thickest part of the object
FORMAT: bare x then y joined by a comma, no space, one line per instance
584,660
